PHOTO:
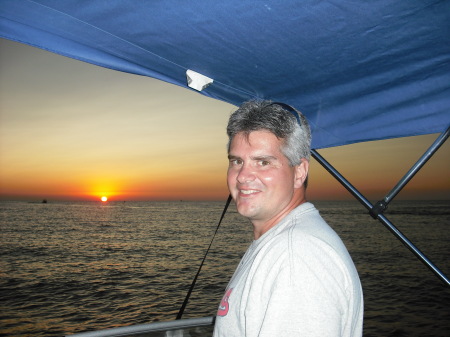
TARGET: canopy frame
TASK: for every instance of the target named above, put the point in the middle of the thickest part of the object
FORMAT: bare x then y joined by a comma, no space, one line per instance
376,210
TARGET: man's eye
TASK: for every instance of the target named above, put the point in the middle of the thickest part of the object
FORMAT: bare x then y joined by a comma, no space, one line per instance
263,162
235,162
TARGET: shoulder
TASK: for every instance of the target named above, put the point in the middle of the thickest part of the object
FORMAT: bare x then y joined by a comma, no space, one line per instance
309,246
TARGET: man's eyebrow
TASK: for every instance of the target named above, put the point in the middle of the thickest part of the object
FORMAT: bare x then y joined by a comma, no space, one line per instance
264,157
261,157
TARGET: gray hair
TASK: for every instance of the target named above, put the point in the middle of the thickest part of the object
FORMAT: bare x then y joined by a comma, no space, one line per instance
259,115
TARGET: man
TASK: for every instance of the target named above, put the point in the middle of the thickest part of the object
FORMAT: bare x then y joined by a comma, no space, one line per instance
296,278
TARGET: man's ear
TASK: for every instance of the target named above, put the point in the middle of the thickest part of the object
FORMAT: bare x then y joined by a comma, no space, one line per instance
301,173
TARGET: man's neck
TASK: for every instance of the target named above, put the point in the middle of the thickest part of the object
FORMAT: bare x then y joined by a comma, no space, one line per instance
261,227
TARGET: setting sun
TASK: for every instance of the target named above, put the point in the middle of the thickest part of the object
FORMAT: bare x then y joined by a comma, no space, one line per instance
104,199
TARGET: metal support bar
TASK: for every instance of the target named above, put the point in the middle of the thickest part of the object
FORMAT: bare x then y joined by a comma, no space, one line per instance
341,179
417,166
151,329
380,217
382,205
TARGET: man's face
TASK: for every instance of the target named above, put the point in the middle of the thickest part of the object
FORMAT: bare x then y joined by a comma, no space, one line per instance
260,179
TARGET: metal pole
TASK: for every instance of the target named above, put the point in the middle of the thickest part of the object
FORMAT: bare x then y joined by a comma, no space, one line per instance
399,235
380,217
150,329
418,165
191,288
341,179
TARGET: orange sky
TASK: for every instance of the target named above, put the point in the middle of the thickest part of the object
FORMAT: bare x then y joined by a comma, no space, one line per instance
74,131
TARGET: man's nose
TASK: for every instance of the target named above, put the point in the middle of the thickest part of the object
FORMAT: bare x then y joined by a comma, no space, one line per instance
246,174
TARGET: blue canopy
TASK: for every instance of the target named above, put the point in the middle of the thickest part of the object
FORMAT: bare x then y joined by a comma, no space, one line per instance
359,70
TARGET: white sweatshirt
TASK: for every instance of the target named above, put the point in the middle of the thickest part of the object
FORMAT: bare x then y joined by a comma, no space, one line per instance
297,279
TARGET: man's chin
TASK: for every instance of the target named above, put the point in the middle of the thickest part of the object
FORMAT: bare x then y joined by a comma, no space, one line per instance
246,210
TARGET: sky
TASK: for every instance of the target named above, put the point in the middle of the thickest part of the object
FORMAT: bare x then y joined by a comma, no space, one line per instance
74,131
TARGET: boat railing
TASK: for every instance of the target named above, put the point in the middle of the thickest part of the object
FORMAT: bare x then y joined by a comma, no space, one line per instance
192,327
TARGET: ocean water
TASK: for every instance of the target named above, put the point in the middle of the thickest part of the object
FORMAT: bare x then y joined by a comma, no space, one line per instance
72,267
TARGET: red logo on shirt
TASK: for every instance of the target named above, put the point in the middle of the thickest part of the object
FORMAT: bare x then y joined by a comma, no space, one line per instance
224,305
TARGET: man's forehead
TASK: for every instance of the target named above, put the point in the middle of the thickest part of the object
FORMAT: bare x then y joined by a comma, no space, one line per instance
257,134
260,143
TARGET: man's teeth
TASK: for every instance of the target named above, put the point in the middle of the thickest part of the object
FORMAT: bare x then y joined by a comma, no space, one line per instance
248,191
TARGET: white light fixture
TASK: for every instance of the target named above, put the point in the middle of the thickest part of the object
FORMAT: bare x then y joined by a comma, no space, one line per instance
197,81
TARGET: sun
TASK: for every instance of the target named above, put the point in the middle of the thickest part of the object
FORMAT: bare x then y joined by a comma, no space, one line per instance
104,199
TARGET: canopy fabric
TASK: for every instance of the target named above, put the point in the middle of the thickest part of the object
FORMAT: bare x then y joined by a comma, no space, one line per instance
359,70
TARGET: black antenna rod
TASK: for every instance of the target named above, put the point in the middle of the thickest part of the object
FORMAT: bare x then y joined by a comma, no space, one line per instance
186,300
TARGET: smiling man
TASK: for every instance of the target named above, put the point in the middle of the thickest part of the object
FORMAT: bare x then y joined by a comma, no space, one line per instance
296,278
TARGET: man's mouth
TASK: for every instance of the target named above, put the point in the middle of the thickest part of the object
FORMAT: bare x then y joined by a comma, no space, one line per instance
248,192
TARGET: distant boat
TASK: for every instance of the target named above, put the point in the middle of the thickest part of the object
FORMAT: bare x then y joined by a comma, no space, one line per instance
44,201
